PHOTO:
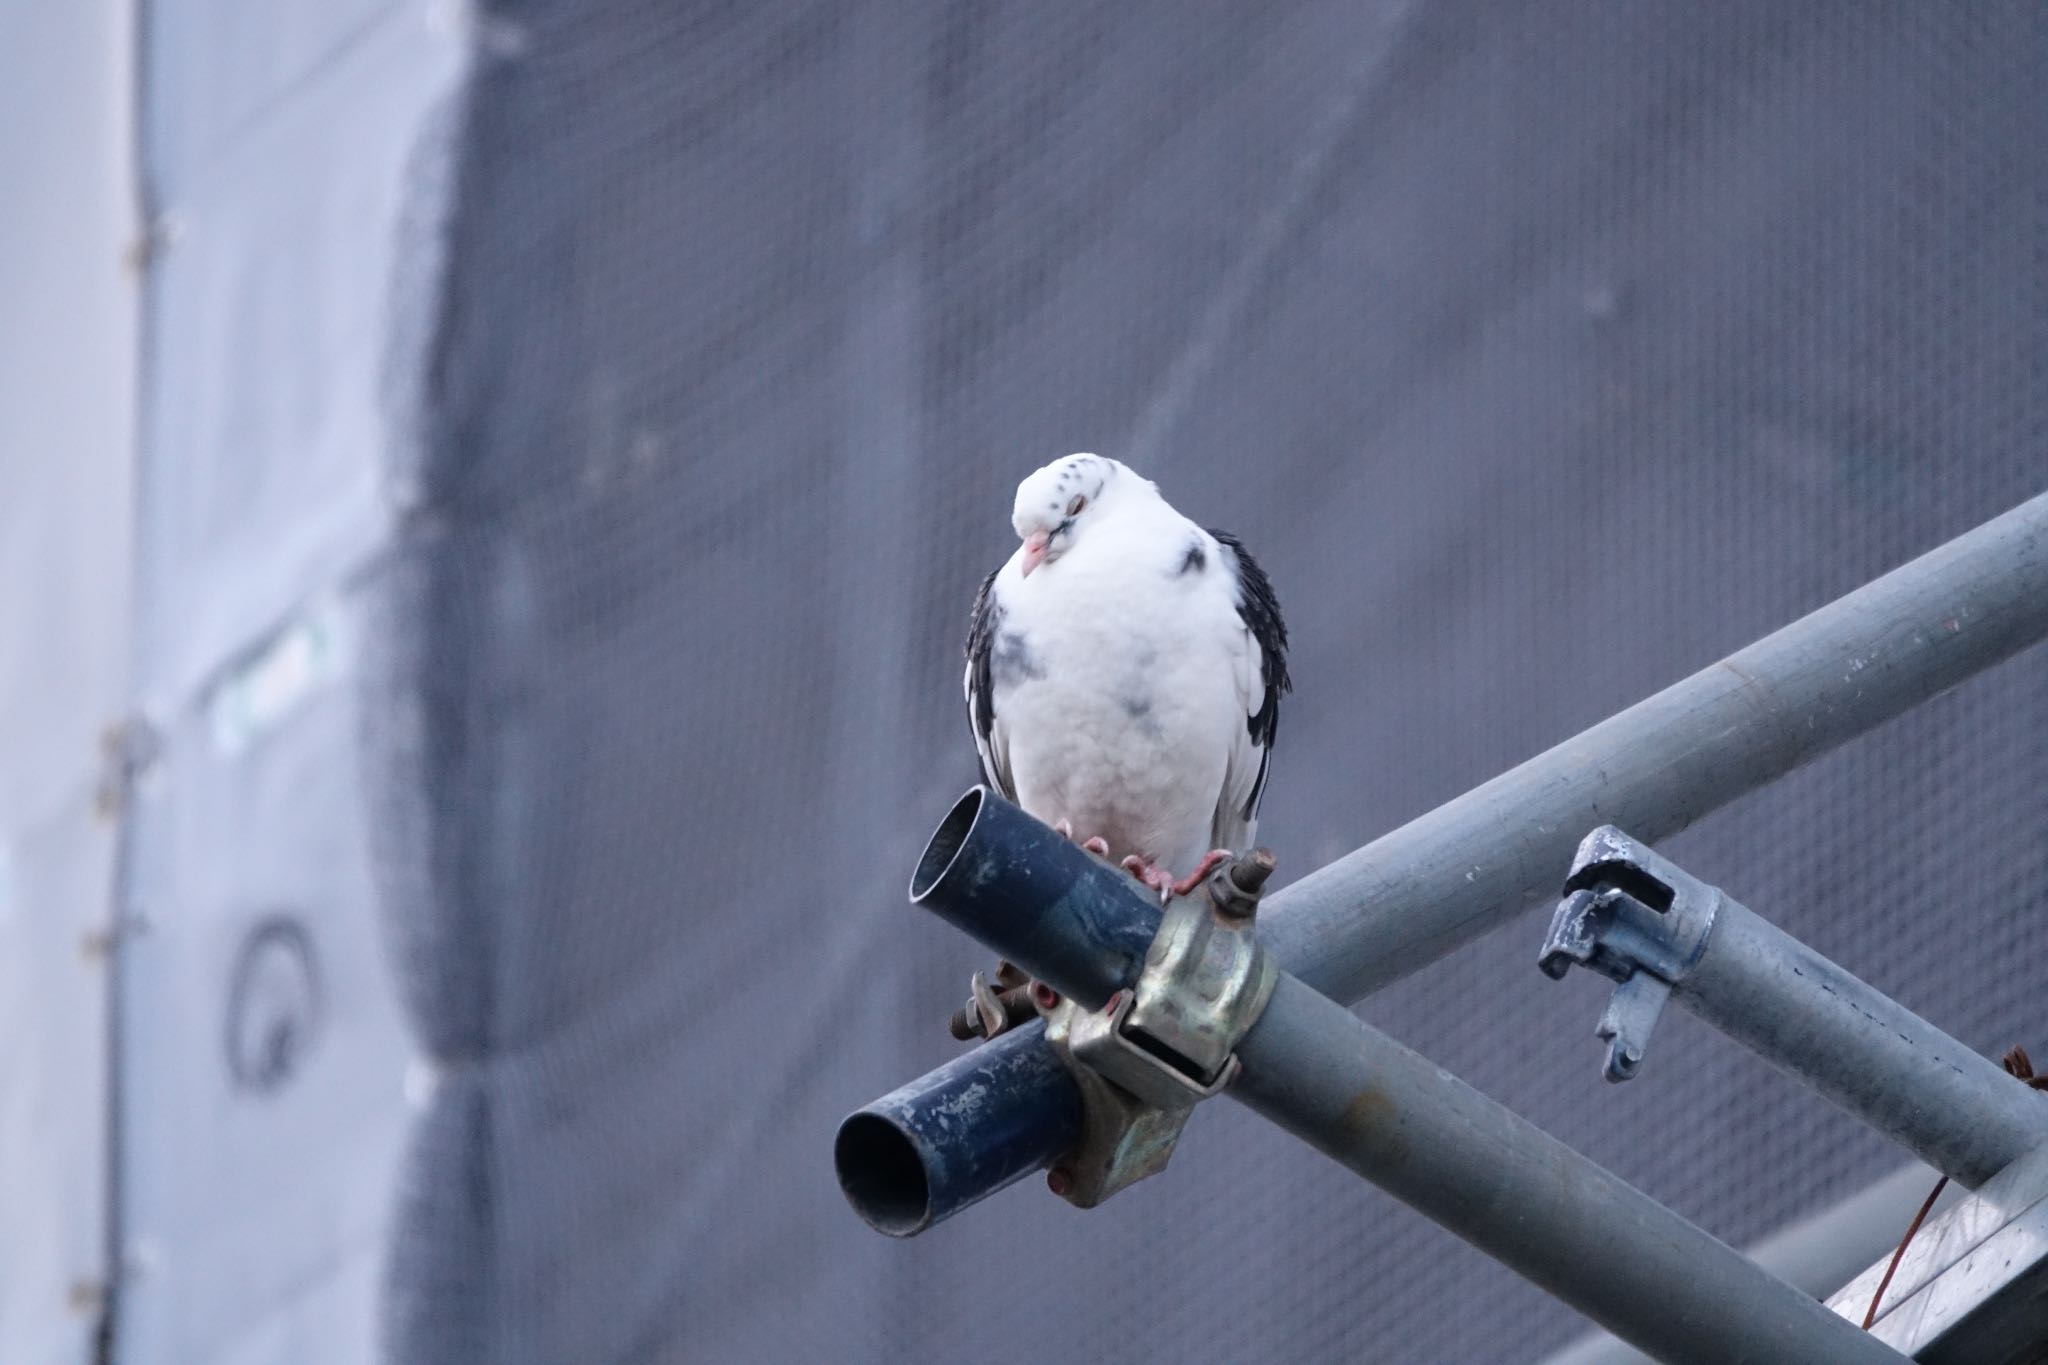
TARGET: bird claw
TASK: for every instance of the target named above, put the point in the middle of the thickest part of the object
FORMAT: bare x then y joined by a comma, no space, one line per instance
1094,843
993,1008
1151,874
1209,863
988,1009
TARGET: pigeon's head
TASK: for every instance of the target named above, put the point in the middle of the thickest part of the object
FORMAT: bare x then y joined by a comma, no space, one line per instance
1057,503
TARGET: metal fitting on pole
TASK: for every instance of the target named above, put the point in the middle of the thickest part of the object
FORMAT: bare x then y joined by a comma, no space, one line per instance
1154,1051
1661,933
1142,1013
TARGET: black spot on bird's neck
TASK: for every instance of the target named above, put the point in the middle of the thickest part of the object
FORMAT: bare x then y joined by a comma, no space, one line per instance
1012,660
1194,561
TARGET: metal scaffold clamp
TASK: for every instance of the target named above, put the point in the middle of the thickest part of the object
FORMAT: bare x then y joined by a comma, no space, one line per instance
1632,915
1158,1048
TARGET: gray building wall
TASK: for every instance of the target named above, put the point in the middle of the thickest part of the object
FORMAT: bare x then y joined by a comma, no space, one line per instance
67,411
287,155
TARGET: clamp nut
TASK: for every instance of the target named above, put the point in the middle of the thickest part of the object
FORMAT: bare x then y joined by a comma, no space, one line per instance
1236,885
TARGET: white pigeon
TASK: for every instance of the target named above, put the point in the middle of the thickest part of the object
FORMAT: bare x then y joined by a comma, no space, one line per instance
1124,672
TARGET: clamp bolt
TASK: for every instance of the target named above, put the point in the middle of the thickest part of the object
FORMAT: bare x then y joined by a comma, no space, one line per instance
1236,886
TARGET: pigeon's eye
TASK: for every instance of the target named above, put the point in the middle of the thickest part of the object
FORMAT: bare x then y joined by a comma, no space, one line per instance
1074,507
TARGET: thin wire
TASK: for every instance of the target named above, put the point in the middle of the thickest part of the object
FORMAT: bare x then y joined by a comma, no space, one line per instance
1900,1254
2021,1068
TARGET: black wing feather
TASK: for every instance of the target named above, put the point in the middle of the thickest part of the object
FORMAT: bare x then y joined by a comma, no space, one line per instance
983,622
1259,609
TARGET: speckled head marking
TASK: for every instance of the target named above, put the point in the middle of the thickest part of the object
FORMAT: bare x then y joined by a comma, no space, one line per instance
1045,498
1052,502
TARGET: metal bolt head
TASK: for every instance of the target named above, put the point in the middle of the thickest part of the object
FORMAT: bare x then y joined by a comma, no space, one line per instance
1235,888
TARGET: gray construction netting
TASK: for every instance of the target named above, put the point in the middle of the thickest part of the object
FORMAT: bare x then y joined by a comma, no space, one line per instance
1542,353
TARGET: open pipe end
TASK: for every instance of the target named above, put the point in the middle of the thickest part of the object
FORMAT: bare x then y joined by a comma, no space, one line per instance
954,1136
882,1175
946,843
1033,897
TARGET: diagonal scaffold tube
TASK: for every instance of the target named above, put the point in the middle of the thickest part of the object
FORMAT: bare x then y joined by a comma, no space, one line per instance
1447,877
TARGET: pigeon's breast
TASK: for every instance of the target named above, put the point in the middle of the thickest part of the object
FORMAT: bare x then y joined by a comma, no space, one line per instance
1120,705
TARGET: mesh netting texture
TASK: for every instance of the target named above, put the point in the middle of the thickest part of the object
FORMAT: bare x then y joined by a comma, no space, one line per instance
1543,355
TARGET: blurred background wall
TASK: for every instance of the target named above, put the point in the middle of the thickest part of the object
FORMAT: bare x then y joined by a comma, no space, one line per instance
517,513
67,414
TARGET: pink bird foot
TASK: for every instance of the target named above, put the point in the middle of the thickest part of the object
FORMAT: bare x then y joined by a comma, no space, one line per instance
1150,873
1164,882
1209,862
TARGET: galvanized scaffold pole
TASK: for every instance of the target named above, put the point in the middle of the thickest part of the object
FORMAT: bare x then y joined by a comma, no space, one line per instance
1558,1219
1664,934
1317,1070
1445,878
1415,894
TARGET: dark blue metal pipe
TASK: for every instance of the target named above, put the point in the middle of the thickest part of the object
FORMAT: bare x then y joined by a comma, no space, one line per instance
1009,880
983,1121
1007,1108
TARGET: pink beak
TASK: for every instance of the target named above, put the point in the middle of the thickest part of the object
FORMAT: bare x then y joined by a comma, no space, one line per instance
1034,550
